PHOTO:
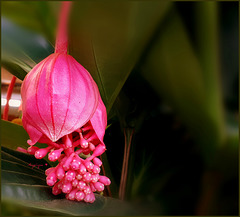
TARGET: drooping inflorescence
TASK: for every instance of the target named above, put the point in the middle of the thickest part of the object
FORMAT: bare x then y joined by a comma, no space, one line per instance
62,107
75,176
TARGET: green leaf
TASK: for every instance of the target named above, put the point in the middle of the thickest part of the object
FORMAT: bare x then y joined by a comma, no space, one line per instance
15,170
37,16
18,140
22,49
40,197
24,159
15,167
21,178
110,52
11,158
174,72
207,33
26,192
20,136
15,69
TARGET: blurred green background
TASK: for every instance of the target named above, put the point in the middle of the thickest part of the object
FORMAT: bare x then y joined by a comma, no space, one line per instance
168,75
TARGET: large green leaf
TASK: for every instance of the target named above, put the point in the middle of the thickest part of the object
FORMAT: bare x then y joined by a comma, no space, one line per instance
27,188
109,37
37,16
16,167
16,170
207,33
18,140
21,178
175,73
22,49
15,69
24,159
40,197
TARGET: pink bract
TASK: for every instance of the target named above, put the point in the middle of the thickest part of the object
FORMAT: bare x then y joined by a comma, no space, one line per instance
59,96
99,120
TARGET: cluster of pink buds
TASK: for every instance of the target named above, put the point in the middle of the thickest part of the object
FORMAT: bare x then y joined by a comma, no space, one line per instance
78,178
62,107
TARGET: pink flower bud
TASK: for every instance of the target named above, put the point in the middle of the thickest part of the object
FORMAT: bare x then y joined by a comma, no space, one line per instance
49,170
89,165
54,155
32,149
68,161
82,169
83,142
51,179
22,150
71,195
79,176
75,183
89,198
41,153
99,186
75,164
97,161
95,178
96,169
81,185
99,150
87,190
91,146
59,184
70,175
87,177
60,172
56,190
79,196
67,187
105,180
93,189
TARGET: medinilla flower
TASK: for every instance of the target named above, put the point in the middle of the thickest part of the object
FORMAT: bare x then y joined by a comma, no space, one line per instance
62,107
59,96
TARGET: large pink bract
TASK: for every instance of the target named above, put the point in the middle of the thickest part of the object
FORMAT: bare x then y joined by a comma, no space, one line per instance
59,96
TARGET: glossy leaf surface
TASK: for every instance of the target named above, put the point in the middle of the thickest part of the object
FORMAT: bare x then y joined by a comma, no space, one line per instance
26,186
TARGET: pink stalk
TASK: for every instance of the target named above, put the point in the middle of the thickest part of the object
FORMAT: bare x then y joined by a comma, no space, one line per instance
22,150
62,38
9,94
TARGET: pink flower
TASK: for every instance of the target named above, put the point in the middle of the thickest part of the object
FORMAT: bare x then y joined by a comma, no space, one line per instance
59,96
62,107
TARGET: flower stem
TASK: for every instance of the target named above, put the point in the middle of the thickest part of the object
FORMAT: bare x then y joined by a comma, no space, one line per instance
9,94
211,182
128,134
107,191
61,44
